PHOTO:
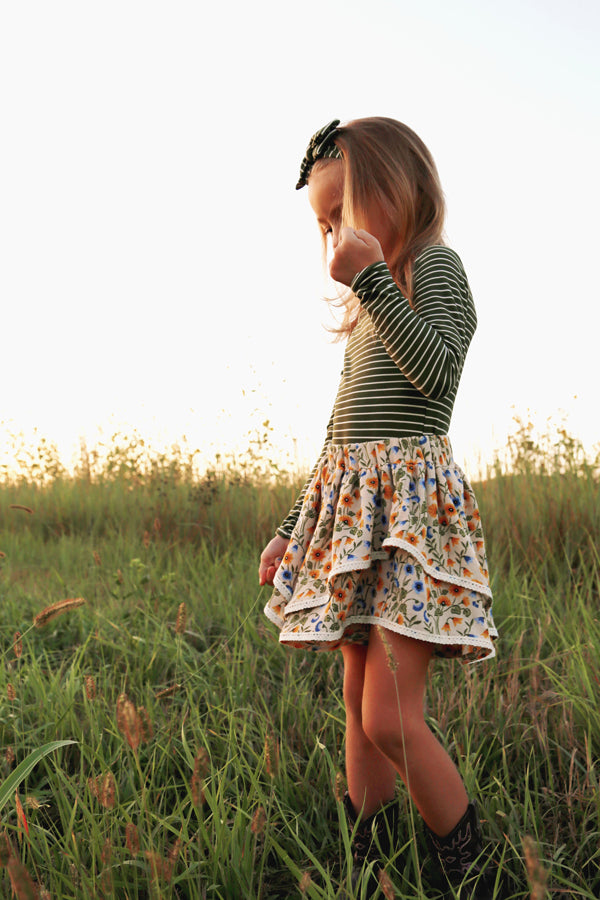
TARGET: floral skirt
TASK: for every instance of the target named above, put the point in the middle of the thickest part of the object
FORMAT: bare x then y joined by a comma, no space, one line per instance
389,534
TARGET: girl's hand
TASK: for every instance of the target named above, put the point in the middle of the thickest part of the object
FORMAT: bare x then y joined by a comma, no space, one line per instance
270,559
354,250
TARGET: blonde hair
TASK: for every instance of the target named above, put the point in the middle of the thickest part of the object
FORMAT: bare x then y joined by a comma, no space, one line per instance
387,164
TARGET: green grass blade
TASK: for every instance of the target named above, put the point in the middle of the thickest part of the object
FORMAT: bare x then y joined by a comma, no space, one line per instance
10,785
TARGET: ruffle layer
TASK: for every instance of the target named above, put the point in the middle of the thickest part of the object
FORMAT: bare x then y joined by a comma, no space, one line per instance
389,533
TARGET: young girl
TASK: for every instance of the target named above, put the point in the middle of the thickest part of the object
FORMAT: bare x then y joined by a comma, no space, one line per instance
383,555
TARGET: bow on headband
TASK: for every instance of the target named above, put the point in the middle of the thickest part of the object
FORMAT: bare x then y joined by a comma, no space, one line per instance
321,146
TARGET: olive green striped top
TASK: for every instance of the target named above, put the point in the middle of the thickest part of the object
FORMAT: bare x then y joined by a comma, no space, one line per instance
402,364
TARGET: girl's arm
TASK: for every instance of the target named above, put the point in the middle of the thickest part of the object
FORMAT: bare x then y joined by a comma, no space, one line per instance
287,526
428,342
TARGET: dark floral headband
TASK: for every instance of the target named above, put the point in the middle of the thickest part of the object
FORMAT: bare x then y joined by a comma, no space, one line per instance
321,146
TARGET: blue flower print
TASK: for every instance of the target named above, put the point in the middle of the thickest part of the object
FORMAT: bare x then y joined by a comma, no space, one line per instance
429,532
409,569
423,439
418,606
426,617
418,586
412,486
286,574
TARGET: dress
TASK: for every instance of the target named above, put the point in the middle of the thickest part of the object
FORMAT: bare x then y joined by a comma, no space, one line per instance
386,530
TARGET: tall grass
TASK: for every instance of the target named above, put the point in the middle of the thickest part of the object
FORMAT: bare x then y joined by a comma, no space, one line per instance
209,760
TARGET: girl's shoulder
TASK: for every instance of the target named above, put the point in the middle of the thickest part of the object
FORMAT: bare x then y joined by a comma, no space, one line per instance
439,255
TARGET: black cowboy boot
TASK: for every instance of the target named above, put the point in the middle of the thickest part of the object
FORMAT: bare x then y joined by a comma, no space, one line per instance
372,841
459,856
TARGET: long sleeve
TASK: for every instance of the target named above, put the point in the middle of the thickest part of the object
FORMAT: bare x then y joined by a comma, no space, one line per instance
287,526
427,342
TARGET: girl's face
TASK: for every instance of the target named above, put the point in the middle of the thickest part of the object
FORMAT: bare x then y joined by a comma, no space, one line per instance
326,196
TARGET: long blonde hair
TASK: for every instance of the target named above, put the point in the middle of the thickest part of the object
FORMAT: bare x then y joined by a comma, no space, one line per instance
386,163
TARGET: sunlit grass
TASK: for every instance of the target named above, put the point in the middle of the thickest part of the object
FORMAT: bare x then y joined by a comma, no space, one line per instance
209,760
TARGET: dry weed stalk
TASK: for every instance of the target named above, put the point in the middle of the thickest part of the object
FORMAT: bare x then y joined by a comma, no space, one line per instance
9,756
21,817
26,509
132,839
18,645
181,619
97,558
11,692
56,609
2,555
536,873
128,722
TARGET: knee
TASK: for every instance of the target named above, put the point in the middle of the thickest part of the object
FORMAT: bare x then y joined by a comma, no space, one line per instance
393,735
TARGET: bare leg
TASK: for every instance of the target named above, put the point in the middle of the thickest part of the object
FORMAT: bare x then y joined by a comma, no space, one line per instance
371,776
393,720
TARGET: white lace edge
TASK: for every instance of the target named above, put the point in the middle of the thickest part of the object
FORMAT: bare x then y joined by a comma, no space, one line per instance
360,565
330,636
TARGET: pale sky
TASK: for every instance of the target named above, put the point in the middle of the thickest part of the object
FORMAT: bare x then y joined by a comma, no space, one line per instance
160,271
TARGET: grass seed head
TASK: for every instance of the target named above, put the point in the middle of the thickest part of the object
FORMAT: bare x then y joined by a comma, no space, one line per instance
536,873
21,882
18,645
128,722
305,882
56,609
181,619
201,768
387,888
97,558
146,539
271,755
146,730
9,756
339,787
259,820
90,687
132,839
392,662
11,692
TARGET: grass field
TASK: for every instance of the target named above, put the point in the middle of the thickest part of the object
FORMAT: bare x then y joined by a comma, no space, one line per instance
208,761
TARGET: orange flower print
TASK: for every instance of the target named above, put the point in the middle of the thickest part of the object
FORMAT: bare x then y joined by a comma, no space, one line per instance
451,562
455,540
287,558
400,619
471,525
479,545
327,568
388,492
340,594
455,589
346,499
411,466
457,620
345,520
446,627
476,514
467,573
372,482
432,510
442,519
450,509
444,601
315,573
412,539
317,554
446,548
485,634
341,615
